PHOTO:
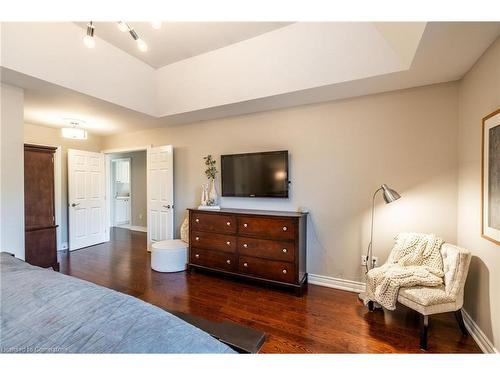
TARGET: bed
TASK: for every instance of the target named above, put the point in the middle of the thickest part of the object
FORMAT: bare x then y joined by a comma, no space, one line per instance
43,311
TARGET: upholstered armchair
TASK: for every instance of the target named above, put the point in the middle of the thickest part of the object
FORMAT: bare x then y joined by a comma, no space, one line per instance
445,298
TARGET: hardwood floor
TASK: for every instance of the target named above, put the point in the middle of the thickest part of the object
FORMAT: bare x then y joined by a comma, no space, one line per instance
323,320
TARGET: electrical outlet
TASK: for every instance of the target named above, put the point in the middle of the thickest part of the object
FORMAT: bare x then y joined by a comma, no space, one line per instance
374,261
364,259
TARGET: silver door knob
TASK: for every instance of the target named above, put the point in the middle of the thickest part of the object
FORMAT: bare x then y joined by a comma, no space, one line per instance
197,255
245,225
228,261
228,243
75,204
284,271
166,206
228,223
197,220
285,229
245,245
245,264
197,238
284,250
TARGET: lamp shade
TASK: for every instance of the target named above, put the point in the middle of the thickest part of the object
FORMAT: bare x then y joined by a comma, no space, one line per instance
389,194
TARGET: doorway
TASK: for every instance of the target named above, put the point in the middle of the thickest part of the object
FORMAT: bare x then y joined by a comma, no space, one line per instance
128,190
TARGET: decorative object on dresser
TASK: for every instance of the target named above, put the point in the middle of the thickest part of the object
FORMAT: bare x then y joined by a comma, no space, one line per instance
209,195
39,211
267,246
490,178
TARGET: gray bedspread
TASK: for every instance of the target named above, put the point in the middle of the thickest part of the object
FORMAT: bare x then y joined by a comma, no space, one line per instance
45,311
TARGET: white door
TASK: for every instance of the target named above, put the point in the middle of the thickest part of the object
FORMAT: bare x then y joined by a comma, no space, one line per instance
86,199
160,194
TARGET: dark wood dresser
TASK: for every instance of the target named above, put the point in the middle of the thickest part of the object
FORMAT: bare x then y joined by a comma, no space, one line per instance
268,246
39,212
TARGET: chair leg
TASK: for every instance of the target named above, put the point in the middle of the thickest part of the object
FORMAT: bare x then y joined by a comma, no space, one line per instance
423,332
371,306
460,320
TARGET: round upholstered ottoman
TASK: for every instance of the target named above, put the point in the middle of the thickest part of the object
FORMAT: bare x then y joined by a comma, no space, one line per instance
169,256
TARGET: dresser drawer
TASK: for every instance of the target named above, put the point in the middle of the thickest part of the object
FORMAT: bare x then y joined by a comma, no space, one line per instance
214,241
213,259
213,223
275,228
267,269
278,250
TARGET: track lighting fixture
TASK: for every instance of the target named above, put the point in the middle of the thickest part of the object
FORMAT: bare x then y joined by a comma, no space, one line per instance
141,44
88,39
124,27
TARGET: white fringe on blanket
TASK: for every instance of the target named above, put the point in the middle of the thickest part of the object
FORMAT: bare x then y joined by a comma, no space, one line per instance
414,260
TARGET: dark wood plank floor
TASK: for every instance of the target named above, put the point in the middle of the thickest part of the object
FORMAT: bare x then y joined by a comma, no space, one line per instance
324,320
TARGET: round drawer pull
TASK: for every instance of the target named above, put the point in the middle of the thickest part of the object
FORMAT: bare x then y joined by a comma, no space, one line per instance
228,223
245,225
197,238
197,255
197,220
228,261
284,271
245,264
245,245
284,250
285,229
228,243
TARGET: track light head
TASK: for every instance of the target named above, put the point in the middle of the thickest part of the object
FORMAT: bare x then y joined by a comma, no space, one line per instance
122,26
88,39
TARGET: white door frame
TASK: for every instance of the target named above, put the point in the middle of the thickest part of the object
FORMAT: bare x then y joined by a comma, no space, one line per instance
57,193
107,155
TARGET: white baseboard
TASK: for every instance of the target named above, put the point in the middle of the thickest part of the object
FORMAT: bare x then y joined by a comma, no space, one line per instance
333,282
64,247
478,335
138,228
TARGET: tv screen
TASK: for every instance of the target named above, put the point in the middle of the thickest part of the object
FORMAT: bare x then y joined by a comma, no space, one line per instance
261,174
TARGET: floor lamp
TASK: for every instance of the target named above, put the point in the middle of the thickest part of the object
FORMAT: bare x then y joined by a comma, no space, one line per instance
390,195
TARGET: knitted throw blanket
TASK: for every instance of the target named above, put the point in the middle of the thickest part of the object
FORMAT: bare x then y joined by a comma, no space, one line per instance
414,260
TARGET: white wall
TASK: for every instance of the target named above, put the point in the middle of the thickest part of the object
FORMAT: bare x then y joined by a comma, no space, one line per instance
340,153
479,94
296,57
12,168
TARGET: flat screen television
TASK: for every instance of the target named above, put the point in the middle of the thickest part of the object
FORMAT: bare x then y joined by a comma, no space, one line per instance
260,174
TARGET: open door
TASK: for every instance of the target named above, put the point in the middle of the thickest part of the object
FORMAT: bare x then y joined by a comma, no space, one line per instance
160,194
86,199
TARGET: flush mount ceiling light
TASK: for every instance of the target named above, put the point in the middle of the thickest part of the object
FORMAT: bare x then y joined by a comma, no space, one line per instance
89,40
74,132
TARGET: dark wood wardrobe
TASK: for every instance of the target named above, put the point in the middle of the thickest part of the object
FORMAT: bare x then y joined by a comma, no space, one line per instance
39,210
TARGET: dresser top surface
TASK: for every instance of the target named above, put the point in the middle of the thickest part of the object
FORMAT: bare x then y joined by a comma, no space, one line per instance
251,212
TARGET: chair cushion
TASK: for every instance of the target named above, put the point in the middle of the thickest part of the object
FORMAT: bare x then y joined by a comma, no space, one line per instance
425,295
169,245
451,263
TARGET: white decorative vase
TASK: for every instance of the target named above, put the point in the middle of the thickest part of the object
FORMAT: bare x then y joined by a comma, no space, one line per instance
212,195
